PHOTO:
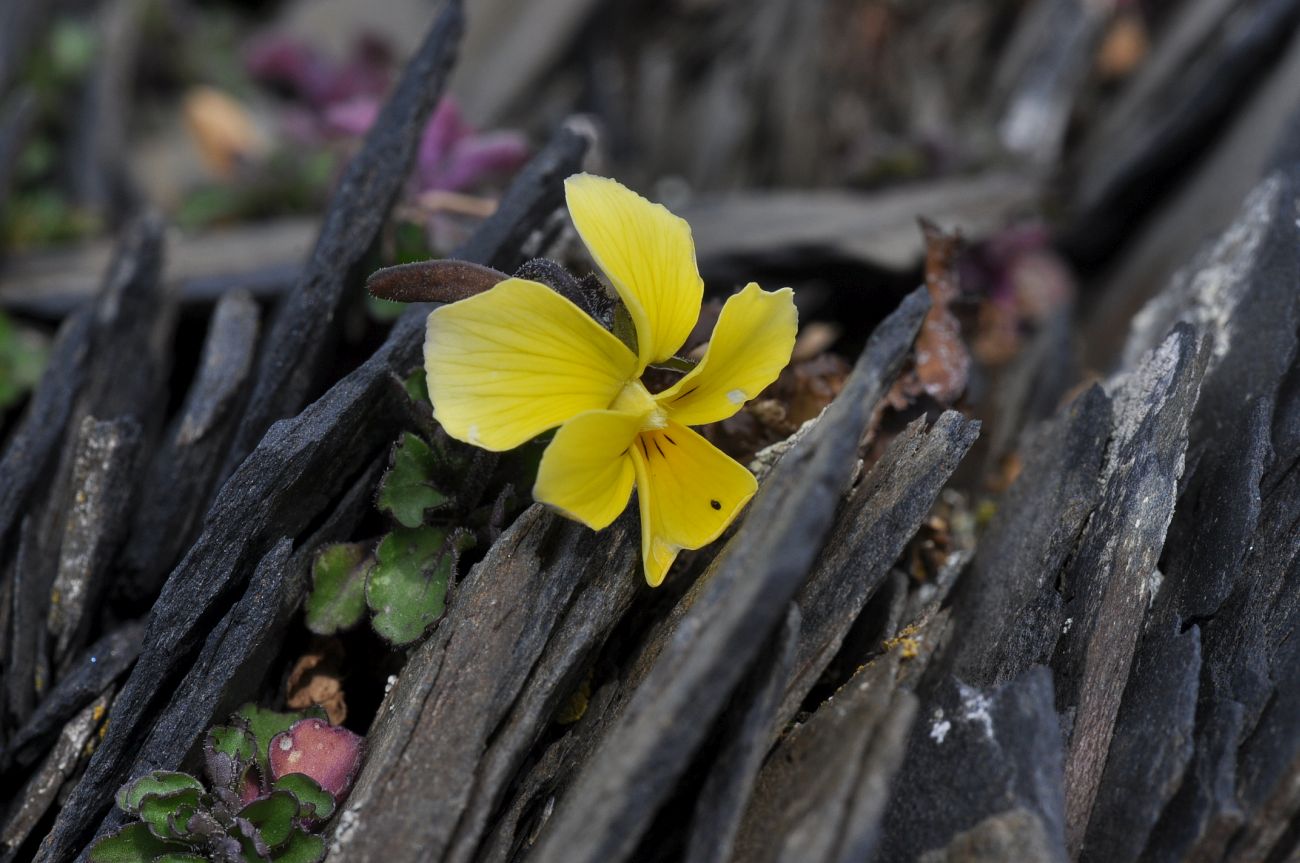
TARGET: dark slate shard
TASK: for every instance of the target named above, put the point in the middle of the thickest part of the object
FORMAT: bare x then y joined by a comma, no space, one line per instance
1015,834
103,475
1268,773
1241,295
132,335
461,684
1151,747
27,672
300,340
42,789
745,734
977,752
97,667
599,604
881,514
1006,611
1112,580
741,600
1248,647
183,472
821,794
1204,812
33,446
1148,156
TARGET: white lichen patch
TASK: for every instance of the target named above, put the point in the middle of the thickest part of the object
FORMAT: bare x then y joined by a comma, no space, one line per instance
976,708
939,727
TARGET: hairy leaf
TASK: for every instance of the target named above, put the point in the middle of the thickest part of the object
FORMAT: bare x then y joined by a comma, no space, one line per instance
338,595
407,588
408,490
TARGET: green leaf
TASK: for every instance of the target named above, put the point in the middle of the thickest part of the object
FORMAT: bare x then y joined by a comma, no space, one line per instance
181,857
132,844
300,848
23,353
229,752
313,801
167,814
238,743
159,782
407,588
417,386
265,724
272,816
407,491
338,595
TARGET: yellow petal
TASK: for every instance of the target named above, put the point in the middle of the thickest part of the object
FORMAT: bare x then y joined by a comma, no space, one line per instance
586,471
648,255
751,344
516,360
689,491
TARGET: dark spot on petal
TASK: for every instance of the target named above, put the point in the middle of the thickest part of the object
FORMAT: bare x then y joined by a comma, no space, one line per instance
671,441
661,449
715,504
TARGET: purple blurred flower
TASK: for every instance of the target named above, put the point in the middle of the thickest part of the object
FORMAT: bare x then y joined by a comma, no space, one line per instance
454,157
345,99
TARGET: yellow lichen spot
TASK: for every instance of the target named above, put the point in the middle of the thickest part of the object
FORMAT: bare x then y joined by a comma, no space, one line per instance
98,713
55,597
909,647
575,707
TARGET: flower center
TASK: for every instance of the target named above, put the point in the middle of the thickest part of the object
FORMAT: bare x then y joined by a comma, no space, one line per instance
634,398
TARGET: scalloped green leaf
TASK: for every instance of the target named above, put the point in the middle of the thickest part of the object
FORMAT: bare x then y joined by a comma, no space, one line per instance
158,782
313,801
133,844
300,848
407,589
167,814
273,816
338,596
408,490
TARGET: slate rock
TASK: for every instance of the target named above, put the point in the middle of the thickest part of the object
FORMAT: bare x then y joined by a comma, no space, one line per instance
974,753
871,530
821,794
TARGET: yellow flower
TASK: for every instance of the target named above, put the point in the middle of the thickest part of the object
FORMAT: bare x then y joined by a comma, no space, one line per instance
519,359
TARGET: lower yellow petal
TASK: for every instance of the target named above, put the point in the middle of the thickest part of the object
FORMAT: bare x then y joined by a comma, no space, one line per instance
586,471
751,343
689,491
510,363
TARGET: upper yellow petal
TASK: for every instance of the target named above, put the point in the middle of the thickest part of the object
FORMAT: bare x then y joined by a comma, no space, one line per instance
648,255
751,343
516,360
688,490
586,471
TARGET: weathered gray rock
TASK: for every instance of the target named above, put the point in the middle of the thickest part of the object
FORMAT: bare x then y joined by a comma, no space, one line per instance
977,752
882,513
822,792
182,473
1112,580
